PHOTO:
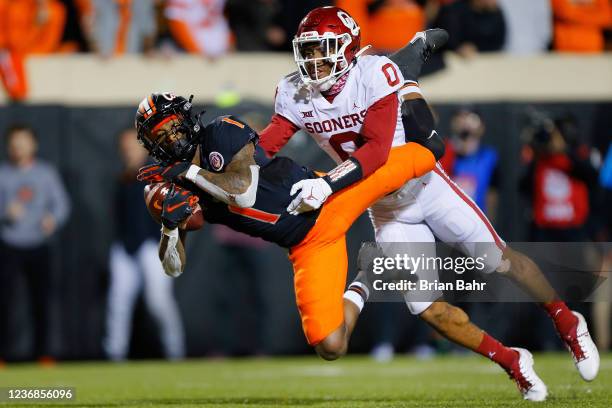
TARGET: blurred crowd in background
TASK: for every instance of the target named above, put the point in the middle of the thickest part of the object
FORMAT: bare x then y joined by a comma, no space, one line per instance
214,28
566,174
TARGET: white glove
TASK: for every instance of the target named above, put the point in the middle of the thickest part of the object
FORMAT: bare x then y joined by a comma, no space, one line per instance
172,261
313,194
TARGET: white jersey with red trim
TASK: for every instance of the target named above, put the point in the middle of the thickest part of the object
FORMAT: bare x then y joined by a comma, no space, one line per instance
335,126
425,208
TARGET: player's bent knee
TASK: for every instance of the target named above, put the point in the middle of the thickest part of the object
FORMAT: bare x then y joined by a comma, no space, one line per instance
491,257
330,353
332,347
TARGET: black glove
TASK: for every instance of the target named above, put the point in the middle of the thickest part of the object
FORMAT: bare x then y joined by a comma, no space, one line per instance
156,173
178,206
410,59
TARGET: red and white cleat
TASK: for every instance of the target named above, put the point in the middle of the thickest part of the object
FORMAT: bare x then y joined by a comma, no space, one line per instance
583,349
529,384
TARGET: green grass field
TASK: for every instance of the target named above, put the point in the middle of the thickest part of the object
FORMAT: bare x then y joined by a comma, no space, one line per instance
352,382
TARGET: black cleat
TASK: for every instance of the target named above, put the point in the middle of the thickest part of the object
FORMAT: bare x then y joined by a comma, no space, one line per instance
410,59
366,270
365,265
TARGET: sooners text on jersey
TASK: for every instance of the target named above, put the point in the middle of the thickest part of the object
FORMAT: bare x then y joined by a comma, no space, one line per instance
336,126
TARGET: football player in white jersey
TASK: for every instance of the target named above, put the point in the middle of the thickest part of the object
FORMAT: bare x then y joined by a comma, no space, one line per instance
350,105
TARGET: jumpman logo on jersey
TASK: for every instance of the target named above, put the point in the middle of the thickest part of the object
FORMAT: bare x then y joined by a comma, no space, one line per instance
355,106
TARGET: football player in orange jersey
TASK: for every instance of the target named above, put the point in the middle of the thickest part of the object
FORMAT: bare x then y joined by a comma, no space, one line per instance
238,186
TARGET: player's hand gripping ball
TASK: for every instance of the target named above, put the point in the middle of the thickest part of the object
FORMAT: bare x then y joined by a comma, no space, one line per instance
156,173
181,207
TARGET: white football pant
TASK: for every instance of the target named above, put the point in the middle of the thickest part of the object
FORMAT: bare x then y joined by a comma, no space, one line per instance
428,207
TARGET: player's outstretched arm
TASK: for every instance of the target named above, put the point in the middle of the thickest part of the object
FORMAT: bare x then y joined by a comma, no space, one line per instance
236,185
177,206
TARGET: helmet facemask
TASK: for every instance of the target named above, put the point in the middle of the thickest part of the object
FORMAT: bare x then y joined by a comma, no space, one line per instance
332,51
177,149
182,148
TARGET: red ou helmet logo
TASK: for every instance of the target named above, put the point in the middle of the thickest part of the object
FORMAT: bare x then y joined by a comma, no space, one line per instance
348,22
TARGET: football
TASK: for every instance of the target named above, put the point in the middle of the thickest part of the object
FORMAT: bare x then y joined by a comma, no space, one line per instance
154,195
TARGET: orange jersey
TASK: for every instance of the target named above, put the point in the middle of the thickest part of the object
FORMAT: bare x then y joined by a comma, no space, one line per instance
26,29
579,24
390,27
320,261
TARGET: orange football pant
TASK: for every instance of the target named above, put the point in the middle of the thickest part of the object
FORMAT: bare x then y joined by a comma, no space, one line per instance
320,261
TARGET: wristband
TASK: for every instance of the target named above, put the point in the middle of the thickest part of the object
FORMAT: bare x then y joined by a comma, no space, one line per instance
192,173
346,173
408,88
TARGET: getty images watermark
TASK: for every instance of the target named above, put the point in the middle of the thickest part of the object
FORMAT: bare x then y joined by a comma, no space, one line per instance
402,264
484,272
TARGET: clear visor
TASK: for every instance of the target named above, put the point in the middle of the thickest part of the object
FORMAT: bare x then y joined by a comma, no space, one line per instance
319,58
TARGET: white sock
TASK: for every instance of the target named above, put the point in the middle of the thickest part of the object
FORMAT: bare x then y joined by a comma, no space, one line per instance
358,294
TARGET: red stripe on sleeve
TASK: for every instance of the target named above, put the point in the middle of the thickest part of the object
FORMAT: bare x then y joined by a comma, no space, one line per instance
276,134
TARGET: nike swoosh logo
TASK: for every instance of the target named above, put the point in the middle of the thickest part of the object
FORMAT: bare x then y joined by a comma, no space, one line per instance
492,353
157,205
433,132
175,206
557,312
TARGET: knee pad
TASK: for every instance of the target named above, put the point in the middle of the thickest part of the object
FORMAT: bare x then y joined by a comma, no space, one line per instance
460,226
504,266
494,261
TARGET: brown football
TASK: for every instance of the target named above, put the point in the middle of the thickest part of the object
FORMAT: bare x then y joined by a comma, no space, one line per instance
154,195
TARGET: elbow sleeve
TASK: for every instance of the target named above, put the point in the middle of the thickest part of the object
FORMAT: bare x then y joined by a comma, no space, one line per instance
247,199
419,126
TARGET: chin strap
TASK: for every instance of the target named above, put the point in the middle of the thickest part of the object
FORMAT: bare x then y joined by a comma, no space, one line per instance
361,51
334,79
